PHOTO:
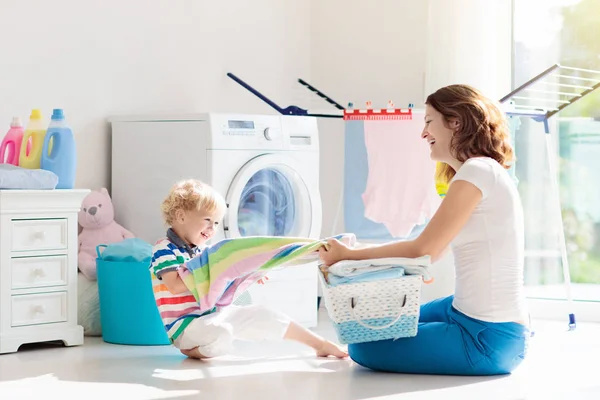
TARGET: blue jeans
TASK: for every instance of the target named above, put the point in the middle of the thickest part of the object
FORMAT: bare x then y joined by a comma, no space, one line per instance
448,343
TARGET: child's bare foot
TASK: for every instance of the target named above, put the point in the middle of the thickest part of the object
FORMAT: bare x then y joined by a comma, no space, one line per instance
323,348
193,353
330,349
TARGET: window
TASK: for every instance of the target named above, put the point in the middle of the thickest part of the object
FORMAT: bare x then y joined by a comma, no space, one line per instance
565,32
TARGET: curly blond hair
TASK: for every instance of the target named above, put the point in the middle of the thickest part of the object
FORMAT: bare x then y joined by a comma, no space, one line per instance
189,195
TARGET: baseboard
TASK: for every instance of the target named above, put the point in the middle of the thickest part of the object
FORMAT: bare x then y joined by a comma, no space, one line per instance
585,311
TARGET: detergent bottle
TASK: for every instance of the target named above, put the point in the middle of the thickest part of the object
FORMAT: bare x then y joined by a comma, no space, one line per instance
33,142
59,154
12,143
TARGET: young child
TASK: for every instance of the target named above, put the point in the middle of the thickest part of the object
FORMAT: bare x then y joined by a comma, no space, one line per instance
192,210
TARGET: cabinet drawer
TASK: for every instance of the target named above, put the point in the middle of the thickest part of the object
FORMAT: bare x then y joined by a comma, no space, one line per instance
43,308
32,272
39,234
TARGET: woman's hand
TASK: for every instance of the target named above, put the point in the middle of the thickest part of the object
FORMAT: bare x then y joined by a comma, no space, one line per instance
334,251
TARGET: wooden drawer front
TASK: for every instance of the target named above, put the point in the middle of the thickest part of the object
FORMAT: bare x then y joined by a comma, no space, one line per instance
32,272
39,234
34,309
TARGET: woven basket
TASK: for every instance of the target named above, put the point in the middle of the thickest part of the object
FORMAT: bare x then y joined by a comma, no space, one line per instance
371,311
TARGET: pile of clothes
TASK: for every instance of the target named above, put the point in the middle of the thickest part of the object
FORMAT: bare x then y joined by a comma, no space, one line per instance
354,271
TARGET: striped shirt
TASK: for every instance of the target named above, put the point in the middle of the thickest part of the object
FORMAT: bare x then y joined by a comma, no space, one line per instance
176,310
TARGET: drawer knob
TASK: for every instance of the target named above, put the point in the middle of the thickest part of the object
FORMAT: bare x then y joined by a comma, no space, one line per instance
39,309
39,235
39,272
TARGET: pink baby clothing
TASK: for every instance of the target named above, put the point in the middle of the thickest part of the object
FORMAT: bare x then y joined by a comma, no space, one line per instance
400,191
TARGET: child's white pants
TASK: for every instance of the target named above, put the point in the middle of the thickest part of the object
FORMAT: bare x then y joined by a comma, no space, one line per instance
214,334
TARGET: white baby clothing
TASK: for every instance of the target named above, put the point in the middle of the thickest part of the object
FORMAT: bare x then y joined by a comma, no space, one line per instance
215,333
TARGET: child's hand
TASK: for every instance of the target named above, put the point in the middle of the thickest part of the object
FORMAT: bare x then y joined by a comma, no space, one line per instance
263,280
334,251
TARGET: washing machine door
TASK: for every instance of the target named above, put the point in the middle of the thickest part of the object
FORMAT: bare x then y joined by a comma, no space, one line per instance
269,197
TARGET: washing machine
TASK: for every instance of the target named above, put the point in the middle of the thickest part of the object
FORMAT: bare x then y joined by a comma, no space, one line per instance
266,167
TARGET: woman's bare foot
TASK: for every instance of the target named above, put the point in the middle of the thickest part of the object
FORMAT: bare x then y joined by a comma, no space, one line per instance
328,348
193,353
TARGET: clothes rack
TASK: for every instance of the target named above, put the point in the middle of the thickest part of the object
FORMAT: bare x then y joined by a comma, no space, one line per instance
559,86
291,110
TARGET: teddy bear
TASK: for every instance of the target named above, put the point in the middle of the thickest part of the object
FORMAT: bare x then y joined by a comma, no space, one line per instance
96,218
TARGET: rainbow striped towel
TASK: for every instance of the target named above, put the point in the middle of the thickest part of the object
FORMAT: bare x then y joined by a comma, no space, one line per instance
227,268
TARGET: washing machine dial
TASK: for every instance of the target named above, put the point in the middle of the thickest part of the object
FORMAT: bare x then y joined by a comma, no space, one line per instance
271,134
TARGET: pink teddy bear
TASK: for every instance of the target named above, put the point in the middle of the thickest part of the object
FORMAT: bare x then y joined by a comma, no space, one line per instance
96,217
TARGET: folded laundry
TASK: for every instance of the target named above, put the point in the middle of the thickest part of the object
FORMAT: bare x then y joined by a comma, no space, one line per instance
411,266
375,275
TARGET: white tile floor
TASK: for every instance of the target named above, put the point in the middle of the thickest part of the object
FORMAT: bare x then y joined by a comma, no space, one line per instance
561,365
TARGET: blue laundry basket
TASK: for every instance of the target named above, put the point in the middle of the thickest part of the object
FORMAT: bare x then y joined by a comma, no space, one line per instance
128,311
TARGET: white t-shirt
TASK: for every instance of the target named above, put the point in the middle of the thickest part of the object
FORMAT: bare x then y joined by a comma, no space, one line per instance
489,250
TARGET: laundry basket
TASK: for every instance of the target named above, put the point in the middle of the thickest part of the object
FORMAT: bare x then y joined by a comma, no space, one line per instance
128,311
375,310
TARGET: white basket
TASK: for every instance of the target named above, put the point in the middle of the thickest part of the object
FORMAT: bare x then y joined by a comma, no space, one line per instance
377,310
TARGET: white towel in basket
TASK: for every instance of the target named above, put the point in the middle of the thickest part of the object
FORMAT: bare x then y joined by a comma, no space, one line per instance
393,272
412,266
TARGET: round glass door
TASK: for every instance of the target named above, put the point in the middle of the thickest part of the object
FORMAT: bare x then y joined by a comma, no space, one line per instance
267,205
269,198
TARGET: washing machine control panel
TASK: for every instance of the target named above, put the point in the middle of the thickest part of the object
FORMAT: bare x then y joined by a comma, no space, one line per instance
269,132
240,128
261,129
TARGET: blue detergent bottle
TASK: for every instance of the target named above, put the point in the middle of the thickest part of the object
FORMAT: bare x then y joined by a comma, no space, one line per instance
60,156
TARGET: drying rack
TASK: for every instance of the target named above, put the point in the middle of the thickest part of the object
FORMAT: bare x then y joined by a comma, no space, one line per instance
348,113
582,79
554,89
541,97
292,110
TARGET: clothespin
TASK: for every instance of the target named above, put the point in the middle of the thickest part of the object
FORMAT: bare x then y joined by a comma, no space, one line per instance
391,104
350,105
369,105
411,105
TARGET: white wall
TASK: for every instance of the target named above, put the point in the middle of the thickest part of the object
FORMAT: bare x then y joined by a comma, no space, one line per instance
95,59
470,42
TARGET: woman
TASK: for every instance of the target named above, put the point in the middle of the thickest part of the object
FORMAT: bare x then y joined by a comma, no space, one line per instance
482,329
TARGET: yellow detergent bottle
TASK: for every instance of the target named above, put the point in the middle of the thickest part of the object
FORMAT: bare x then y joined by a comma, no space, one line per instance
35,133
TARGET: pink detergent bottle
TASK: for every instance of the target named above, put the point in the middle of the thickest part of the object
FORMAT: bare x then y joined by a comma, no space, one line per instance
10,149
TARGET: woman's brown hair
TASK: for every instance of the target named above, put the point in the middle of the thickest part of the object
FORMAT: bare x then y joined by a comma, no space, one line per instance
482,126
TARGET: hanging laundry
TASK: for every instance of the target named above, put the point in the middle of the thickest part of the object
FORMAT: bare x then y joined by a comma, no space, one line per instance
401,190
